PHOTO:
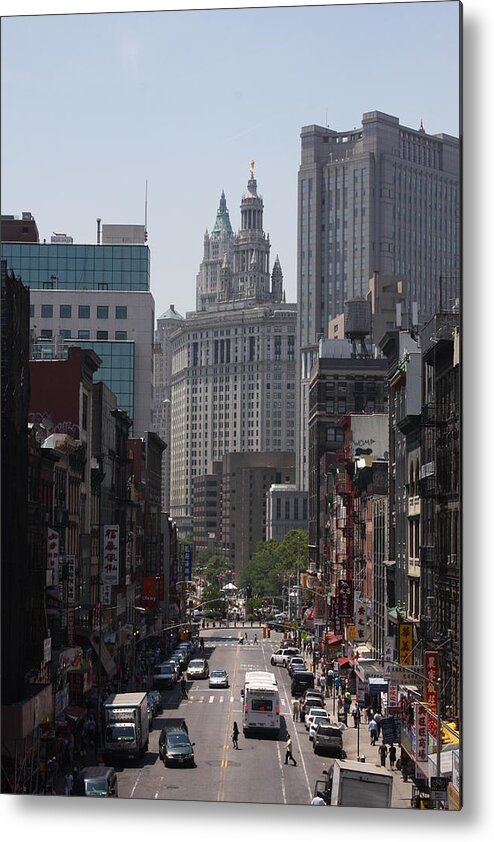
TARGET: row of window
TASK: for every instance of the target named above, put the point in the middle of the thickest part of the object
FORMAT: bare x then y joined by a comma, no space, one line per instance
101,335
83,311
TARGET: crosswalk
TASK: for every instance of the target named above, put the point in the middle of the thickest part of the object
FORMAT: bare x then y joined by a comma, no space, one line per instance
204,699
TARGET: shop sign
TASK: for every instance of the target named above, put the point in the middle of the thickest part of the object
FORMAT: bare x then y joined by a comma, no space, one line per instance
405,643
111,538
389,646
70,562
344,598
187,562
392,694
360,618
431,675
351,631
421,729
53,554
105,594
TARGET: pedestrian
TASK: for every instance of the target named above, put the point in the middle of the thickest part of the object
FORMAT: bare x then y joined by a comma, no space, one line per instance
330,679
183,687
377,720
392,755
256,640
372,728
318,801
356,715
288,751
245,636
184,726
235,735
383,752
336,683
69,783
296,709
369,713
323,684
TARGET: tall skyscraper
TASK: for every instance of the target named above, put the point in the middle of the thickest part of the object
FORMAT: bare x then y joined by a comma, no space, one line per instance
233,369
381,198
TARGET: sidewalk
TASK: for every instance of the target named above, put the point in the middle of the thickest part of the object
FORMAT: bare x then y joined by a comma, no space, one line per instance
402,792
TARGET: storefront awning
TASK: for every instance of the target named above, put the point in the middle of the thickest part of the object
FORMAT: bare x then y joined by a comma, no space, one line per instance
333,639
377,684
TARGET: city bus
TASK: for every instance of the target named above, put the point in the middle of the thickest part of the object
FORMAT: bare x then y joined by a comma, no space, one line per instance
261,703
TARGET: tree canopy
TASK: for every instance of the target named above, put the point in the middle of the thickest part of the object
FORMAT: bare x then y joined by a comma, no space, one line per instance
275,564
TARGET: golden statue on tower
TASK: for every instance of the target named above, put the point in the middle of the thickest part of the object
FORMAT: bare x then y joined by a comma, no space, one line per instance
252,169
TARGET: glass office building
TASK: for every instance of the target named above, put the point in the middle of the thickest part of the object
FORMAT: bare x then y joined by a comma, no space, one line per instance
81,267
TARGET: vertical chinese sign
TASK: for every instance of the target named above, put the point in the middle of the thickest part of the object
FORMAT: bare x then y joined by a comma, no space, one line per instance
110,572
187,562
431,676
420,733
405,643
360,620
53,557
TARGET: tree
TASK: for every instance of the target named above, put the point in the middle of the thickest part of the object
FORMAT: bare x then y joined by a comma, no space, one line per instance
275,563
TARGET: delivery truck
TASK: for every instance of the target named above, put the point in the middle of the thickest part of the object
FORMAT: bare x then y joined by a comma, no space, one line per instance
351,783
126,727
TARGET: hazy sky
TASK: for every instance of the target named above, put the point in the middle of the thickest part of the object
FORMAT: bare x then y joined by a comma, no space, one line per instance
95,104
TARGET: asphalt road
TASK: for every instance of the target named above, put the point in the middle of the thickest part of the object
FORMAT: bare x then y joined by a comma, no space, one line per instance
256,772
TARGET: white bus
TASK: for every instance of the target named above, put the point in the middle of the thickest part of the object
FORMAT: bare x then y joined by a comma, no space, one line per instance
261,703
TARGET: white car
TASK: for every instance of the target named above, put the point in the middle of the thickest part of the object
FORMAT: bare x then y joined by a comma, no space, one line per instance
317,720
311,714
281,656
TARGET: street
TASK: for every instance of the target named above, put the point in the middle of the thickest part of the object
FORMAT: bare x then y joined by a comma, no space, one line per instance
256,772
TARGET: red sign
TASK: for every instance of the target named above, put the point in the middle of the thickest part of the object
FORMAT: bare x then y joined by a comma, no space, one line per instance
152,588
431,669
421,728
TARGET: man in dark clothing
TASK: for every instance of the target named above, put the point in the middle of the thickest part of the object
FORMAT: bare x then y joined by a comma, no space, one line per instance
183,687
383,751
392,756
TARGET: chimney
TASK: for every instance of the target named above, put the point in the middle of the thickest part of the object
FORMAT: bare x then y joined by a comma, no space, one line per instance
98,231
172,307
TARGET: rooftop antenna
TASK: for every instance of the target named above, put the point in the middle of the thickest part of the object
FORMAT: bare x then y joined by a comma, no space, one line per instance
146,214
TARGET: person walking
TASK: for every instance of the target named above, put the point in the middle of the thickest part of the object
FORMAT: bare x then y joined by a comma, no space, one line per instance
383,753
296,709
288,751
392,755
183,687
329,680
323,684
235,735
372,728
318,801
356,715
377,720
369,713
256,640
69,784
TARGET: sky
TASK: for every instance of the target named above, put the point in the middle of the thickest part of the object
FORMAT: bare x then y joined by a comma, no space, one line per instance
102,103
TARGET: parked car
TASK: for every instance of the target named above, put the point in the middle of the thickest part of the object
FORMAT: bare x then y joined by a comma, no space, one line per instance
218,678
328,739
312,712
179,659
96,782
280,657
315,721
295,659
301,681
175,747
165,676
198,668
310,699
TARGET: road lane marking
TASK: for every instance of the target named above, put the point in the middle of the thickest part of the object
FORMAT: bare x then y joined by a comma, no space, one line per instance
211,699
221,699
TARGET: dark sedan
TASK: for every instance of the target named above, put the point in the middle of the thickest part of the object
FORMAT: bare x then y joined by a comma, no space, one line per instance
175,747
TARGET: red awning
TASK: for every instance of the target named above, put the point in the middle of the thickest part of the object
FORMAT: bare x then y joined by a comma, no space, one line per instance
333,639
343,662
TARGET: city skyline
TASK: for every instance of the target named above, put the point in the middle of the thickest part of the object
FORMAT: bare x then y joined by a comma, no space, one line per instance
241,116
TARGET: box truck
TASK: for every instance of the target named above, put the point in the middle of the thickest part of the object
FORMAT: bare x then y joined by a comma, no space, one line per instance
126,727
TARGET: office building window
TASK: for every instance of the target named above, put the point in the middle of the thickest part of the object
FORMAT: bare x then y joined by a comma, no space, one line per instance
47,311
66,334
31,311
121,312
120,334
84,311
102,312
102,334
65,311
46,334
83,334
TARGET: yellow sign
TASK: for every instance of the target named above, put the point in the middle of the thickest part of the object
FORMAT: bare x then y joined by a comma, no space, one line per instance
351,631
405,643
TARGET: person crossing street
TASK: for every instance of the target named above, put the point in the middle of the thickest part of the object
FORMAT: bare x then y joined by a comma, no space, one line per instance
288,751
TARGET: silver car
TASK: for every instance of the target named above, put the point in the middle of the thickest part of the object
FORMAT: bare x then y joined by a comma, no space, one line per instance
328,739
218,678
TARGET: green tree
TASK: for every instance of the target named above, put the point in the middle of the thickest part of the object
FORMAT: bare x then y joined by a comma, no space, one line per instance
275,564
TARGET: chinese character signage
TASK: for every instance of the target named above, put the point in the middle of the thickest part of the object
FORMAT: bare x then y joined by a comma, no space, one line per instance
105,594
392,694
70,562
345,600
360,621
111,536
421,730
351,631
53,554
187,562
388,655
405,643
431,676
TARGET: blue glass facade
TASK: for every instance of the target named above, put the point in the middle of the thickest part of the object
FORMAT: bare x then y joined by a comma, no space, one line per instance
116,370
80,267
